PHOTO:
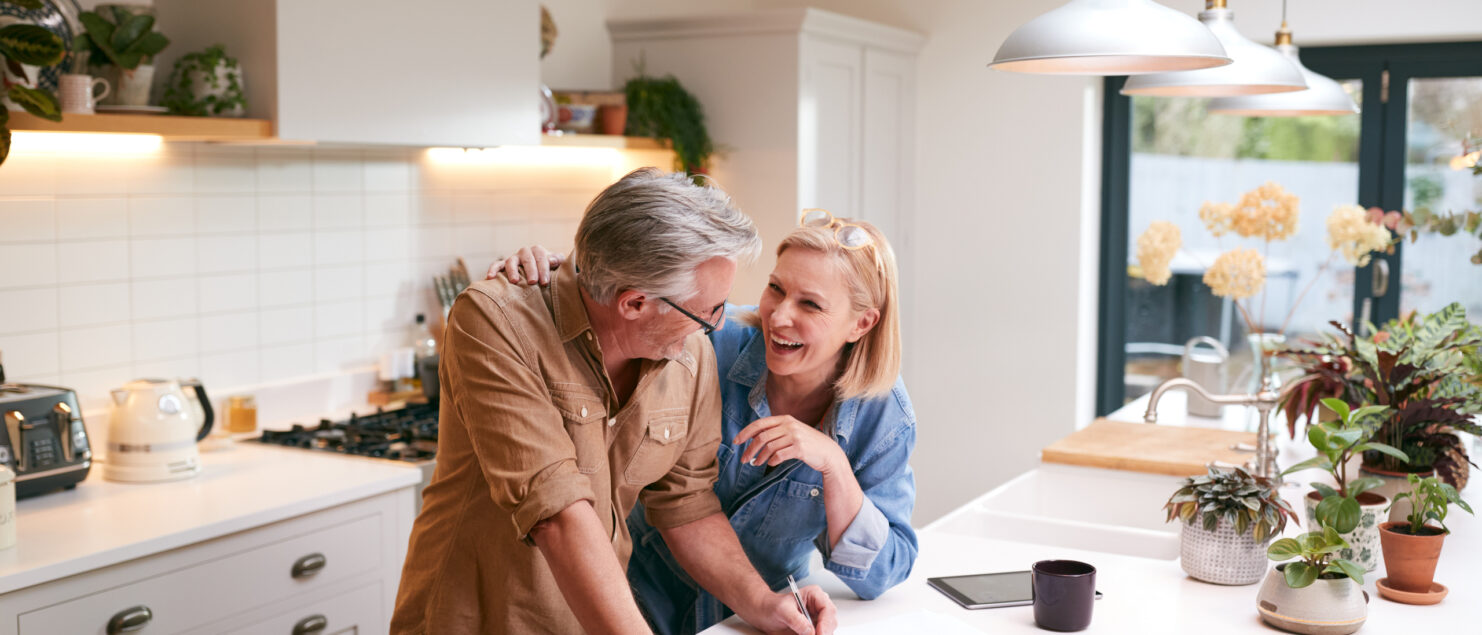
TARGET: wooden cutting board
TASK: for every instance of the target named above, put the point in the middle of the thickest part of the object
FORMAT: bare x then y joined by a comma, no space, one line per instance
1151,448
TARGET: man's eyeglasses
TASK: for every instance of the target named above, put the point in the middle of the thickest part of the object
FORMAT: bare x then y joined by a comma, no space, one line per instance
848,235
708,327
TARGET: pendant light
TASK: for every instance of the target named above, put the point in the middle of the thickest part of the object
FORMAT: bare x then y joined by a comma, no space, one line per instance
1109,37
1257,69
1322,97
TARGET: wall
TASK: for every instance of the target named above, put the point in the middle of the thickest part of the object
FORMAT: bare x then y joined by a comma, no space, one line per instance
245,265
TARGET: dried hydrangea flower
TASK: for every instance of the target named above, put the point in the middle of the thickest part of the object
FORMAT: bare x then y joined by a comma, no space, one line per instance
1268,212
1155,249
1219,218
1351,233
1236,274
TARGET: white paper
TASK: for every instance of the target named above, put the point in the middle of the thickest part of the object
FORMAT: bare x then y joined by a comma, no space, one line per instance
921,621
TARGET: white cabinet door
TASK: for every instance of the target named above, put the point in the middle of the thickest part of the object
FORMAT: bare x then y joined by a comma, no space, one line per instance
829,125
887,165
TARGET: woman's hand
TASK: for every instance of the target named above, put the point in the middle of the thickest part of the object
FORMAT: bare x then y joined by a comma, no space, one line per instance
521,266
780,438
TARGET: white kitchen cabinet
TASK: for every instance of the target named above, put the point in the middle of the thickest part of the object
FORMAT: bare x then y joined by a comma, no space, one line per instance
808,108
336,567
428,73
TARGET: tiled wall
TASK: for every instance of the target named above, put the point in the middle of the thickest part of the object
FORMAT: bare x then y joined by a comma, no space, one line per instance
247,265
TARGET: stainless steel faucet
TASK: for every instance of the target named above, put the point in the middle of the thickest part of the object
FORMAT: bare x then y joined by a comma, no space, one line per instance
1264,401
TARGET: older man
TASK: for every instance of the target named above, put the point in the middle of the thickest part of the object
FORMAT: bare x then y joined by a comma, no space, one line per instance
562,407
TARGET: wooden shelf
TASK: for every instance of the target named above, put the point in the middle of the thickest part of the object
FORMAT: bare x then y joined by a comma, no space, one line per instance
603,141
172,128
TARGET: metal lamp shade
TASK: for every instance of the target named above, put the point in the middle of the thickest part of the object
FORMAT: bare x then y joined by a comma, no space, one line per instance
1257,69
1109,37
1322,97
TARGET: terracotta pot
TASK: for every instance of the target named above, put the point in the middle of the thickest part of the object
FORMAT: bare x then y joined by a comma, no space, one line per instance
613,119
1326,607
1410,560
1363,541
1394,484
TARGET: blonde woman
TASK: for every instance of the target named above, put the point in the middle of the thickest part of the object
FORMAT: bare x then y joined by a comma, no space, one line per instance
817,427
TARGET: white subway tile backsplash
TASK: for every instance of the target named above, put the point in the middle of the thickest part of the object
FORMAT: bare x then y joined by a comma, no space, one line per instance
162,257
284,170
338,171
225,169
433,241
387,175
25,265
177,368
27,219
151,216
338,283
28,174
338,211
172,171
234,292
285,326
388,210
285,250
341,353
85,218
468,239
96,347
92,174
337,247
230,370
277,212
31,354
391,278
435,208
289,360
92,385
23,310
229,332
392,313
392,243
157,299
165,339
286,287
338,319
93,261
94,304
230,213
226,253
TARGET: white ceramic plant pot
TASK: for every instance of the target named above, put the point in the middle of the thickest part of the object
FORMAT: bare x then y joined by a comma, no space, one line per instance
1221,556
1363,542
131,88
203,86
1326,607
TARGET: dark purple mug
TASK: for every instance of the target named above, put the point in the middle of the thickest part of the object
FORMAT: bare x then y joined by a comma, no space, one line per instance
1064,592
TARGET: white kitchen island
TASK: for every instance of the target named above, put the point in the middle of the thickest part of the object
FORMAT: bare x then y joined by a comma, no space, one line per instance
1143,594
265,539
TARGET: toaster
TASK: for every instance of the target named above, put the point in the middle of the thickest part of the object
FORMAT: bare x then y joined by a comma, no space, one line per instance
43,438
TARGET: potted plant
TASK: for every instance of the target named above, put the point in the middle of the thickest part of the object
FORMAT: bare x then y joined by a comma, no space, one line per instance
1412,547
1238,514
1320,593
1427,369
128,42
661,108
206,84
23,46
1350,507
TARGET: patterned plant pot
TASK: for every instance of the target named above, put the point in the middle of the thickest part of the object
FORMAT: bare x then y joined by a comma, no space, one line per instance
1326,607
1395,483
1221,556
1363,541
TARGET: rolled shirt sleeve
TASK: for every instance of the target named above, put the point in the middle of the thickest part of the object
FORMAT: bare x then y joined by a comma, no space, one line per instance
862,540
687,492
517,434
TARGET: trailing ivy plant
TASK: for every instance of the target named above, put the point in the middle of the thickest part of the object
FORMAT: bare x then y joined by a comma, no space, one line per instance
1336,442
1251,504
24,45
661,108
1431,497
1317,558
180,90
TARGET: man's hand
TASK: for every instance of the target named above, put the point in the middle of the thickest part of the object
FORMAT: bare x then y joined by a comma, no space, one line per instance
777,613
780,437
521,266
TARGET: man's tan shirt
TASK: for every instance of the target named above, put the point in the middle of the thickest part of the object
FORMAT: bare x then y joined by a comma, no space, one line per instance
528,426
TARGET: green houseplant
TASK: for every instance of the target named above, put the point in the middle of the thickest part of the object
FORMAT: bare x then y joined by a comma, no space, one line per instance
206,84
1237,514
1351,508
1412,547
1321,592
23,45
661,108
128,42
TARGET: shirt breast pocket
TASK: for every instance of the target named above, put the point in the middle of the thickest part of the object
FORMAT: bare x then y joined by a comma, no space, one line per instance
582,414
663,441
796,512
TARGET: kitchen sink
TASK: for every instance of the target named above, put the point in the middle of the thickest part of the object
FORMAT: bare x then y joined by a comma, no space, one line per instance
1076,507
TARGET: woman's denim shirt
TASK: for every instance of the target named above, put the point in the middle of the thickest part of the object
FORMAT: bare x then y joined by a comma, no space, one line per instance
779,516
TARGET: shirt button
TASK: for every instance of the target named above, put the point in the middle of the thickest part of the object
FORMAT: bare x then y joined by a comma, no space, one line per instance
666,433
612,422
583,411
589,335
813,492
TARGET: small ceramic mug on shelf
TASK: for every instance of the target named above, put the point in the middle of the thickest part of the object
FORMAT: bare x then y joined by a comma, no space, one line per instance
79,93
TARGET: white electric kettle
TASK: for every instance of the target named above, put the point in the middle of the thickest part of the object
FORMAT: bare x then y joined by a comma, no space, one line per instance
153,428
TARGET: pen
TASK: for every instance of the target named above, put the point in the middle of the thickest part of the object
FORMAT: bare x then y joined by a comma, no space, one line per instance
797,595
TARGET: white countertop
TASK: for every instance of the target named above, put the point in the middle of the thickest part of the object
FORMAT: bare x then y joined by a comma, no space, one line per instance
247,485
1146,595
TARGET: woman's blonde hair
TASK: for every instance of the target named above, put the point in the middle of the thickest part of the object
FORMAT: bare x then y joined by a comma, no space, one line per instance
871,364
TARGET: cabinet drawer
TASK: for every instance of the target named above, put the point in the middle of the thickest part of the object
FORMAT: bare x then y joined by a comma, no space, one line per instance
211,590
351,612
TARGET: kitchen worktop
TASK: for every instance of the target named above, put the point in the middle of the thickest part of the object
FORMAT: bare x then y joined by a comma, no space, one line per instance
246,485
1142,594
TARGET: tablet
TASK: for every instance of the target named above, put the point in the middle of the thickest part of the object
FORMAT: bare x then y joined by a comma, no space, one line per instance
988,590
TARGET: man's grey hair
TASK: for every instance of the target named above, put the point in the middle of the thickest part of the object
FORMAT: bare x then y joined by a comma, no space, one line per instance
650,231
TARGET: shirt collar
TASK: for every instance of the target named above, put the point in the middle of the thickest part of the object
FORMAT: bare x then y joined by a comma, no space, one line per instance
566,305
750,369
